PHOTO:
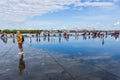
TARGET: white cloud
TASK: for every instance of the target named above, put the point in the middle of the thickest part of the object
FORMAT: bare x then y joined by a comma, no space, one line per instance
102,4
16,13
96,57
117,23
20,10
17,10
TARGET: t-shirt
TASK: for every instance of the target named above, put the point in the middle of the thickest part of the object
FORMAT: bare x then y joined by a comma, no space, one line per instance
19,38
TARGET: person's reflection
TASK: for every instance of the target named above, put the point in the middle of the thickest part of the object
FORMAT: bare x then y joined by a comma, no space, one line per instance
66,38
30,36
30,40
89,37
103,41
76,36
48,39
13,40
106,35
59,39
13,37
44,39
84,37
4,37
21,64
60,34
39,39
4,40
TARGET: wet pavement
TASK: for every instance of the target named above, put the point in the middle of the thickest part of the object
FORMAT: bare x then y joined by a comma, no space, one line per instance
39,64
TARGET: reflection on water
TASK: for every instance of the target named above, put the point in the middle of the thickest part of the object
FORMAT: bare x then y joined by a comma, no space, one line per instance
13,40
63,56
84,36
4,40
64,42
21,64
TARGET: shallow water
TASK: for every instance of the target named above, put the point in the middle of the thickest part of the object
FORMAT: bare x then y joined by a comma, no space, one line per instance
77,46
58,58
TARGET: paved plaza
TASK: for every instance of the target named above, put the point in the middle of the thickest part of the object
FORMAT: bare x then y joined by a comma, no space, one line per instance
37,64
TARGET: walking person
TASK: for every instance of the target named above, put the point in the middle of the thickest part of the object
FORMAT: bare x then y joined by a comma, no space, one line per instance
20,42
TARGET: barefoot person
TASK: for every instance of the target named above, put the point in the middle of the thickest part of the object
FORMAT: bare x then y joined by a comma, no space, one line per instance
20,42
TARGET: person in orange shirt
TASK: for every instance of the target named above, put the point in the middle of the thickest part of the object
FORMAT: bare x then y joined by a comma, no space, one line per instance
20,42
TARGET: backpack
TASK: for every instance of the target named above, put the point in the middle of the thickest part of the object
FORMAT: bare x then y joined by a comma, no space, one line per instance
23,38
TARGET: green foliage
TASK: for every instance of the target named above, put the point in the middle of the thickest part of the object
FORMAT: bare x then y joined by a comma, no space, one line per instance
60,31
22,31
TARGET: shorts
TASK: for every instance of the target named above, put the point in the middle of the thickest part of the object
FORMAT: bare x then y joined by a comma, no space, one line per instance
20,45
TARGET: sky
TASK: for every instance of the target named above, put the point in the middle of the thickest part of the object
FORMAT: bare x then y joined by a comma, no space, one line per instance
60,14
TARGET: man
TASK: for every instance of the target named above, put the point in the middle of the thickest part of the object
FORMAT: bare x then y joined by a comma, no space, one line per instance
20,42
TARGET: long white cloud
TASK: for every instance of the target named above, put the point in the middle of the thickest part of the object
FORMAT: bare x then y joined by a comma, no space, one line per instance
19,10
102,4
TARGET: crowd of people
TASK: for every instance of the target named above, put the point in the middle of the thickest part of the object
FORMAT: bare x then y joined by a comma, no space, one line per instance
46,36
66,35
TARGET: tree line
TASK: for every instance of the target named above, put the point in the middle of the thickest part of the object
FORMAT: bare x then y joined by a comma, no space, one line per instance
22,31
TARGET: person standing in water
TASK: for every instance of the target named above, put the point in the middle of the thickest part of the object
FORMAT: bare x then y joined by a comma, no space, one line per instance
20,42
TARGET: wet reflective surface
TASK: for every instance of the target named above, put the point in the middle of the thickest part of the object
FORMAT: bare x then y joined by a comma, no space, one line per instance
61,58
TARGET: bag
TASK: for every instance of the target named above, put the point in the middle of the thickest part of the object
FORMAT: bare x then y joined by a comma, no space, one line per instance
22,38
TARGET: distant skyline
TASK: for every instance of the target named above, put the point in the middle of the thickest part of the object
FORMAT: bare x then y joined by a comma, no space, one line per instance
60,14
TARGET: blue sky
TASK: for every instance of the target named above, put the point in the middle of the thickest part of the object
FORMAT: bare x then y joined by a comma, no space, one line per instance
60,14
